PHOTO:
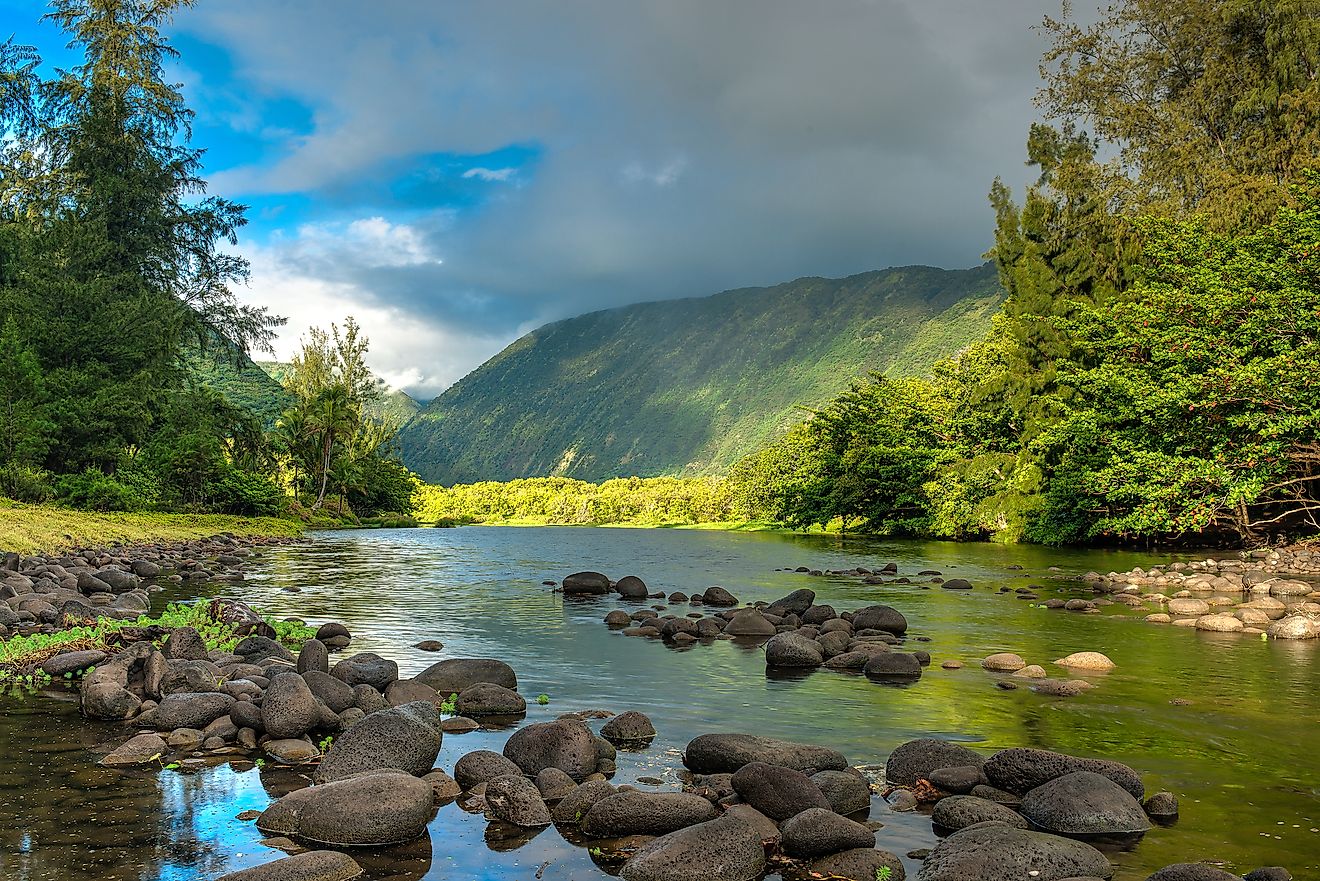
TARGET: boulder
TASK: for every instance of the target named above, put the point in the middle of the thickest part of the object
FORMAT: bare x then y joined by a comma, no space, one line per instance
515,799
1221,623
618,618
369,810
1192,872
1293,627
645,813
1161,805
489,699
289,708
586,584
628,727
72,662
630,587
255,649
718,596
1086,661
1084,803
817,832
314,656
776,791
960,811
726,753
860,864
408,691
880,617
446,788
334,635
368,699
994,850
1188,607
367,668
554,784
792,650
726,848
314,865
575,805
566,744
406,738
958,779
846,791
336,695
137,750
482,766
956,584
185,644
186,710
750,622
455,675
1021,770
1006,662
916,759
795,603
291,751
893,666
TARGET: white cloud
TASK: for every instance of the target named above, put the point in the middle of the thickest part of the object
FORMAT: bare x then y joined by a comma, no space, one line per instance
313,278
490,174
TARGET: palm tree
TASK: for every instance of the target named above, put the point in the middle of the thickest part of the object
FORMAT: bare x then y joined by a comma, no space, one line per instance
332,420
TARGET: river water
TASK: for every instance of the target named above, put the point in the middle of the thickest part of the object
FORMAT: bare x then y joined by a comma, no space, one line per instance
1228,723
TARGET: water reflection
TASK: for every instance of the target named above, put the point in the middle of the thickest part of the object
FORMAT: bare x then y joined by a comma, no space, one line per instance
1237,753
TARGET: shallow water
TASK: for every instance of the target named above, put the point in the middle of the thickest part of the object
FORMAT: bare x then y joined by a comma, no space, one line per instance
1240,755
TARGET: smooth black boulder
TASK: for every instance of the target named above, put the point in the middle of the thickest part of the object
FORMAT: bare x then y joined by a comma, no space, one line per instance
818,832
369,810
366,668
630,587
1192,872
960,811
776,791
893,666
1021,770
314,865
482,766
718,596
726,753
645,813
1084,803
726,848
847,791
405,737
996,851
455,675
880,617
916,759
586,584
566,744
795,603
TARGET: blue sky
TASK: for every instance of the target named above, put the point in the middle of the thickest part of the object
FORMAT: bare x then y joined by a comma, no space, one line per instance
455,174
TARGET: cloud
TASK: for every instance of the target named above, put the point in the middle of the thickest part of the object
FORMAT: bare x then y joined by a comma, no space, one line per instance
490,174
682,147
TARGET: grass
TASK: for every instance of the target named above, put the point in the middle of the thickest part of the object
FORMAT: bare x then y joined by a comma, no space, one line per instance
31,529
22,656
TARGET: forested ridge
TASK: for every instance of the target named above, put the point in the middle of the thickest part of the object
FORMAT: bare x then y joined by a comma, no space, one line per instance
690,386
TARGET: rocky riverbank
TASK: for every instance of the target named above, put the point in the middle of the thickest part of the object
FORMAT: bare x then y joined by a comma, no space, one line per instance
237,688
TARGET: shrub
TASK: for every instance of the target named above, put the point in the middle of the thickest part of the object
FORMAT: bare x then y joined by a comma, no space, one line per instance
24,484
235,491
94,490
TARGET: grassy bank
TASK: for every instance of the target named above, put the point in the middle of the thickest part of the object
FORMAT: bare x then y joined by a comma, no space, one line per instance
32,529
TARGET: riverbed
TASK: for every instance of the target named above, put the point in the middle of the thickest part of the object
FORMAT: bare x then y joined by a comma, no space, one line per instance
1224,721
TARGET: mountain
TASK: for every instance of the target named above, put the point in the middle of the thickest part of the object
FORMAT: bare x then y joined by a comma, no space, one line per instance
690,386
224,368
394,407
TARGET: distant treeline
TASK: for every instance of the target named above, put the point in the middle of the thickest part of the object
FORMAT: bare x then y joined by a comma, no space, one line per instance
652,501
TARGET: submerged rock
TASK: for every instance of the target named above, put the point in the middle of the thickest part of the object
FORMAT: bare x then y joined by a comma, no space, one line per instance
386,807
994,850
1084,803
726,753
314,865
726,848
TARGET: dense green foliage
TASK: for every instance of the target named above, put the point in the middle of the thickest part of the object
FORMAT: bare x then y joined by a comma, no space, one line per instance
393,407
110,272
655,501
327,441
1151,373
689,386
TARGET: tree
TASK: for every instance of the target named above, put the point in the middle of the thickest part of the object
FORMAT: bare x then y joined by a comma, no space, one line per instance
24,428
1211,103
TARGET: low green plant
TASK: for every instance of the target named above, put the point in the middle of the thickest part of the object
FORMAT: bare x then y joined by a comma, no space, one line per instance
325,744
543,699
883,873
448,704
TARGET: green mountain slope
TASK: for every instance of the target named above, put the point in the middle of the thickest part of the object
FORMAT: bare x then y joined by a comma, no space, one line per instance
690,386
241,380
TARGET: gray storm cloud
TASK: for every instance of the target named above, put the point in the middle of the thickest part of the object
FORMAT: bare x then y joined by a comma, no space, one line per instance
685,146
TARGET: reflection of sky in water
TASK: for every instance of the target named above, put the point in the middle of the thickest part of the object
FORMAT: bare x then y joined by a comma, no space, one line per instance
479,591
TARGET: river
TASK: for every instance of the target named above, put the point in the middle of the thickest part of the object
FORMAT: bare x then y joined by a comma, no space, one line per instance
1226,722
